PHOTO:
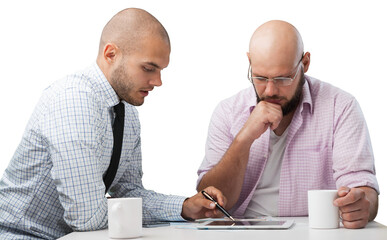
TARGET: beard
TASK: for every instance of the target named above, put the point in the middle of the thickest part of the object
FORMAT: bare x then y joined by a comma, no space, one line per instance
124,86
293,103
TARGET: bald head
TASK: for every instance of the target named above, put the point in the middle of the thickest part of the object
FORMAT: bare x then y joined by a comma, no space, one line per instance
277,43
129,27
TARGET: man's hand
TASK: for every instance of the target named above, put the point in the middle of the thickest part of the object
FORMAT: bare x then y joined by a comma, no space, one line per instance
264,115
198,206
354,207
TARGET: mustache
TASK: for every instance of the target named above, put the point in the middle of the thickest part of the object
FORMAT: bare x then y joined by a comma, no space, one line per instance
274,97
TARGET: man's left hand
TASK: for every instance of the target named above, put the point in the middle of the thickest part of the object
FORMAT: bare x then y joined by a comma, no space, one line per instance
354,207
198,206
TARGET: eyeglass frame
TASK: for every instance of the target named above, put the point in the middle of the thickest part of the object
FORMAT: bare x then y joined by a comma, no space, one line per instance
275,80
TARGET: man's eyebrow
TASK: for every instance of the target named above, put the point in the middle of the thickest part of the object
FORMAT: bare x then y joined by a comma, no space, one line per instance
257,75
281,76
153,64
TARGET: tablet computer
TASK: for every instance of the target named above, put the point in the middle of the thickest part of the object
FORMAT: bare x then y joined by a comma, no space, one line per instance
154,224
246,224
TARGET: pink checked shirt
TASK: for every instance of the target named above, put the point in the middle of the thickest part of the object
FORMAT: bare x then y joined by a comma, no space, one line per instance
327,146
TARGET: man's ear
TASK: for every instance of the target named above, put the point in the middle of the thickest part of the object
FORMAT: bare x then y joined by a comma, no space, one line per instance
110,53
306,61
248,56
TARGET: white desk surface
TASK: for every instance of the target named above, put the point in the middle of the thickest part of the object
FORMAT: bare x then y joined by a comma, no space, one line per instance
300,231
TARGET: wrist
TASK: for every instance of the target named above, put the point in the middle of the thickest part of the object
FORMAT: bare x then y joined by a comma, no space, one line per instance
244,138
184,211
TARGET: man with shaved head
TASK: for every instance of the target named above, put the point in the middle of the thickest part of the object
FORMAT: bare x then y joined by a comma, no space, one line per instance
286,134
72,152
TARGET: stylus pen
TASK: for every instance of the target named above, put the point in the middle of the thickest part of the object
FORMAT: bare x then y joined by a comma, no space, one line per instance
206,195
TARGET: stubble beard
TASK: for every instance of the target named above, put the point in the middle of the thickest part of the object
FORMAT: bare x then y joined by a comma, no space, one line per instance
293,103
124,87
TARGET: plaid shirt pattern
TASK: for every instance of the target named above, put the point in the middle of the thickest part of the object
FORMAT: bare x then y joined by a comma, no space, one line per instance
327,146
54,182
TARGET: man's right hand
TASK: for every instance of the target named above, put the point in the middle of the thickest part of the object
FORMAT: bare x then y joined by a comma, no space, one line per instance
229,173
198,206
264,115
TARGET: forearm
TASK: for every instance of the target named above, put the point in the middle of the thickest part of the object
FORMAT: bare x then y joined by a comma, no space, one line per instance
228,174
156,206
373,198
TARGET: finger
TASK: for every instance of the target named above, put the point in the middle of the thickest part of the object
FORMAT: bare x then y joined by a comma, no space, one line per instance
271,105
273,108
355,224
208,214
357,206
217,195
275,121
213,214
354,216
218,214
353,196
274,117
204,203
268,107
274,125
342,191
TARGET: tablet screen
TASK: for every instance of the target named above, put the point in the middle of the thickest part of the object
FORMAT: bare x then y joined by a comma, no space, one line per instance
245,223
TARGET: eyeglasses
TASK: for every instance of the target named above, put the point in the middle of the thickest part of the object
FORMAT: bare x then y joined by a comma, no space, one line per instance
278,81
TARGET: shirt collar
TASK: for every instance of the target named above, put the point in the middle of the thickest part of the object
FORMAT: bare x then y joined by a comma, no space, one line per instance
104,86
306,97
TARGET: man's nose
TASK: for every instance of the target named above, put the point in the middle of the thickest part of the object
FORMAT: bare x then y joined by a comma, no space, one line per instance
271,88
156,81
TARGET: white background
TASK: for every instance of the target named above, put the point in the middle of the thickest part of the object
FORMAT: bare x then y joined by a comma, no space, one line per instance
41,41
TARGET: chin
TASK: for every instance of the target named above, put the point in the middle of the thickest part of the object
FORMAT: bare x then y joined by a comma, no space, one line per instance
134,102
137,104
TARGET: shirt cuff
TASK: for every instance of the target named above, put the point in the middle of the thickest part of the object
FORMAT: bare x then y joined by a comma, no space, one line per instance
358,179
173,208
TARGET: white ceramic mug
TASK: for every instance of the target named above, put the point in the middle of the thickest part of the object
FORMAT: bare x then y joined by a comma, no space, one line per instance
322,212
125,217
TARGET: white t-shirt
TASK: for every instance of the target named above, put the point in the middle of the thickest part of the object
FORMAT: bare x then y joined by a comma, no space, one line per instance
265,199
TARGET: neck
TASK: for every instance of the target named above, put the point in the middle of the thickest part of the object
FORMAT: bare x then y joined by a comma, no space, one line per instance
104,68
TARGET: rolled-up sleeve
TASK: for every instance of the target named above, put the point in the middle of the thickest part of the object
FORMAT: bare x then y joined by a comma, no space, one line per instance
218,141
353,159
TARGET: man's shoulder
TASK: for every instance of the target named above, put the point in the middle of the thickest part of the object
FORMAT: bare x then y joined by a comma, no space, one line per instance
321,91
79,90
236,107
80,81
82,85
243,99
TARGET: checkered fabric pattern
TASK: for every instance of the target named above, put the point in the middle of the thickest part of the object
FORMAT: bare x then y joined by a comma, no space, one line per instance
54,182
327,146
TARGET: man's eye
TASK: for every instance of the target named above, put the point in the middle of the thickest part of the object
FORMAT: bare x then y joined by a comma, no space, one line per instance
261,79
282,79
147,69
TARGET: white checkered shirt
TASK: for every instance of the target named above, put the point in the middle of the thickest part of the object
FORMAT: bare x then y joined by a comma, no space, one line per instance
54,182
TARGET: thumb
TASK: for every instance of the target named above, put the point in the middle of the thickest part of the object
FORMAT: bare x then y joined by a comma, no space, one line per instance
343,191
205,203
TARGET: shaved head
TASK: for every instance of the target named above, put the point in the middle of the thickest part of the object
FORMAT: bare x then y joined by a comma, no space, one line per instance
129,27
276,42
134,48
276,50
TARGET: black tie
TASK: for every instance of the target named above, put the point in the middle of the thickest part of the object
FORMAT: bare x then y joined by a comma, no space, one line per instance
118,130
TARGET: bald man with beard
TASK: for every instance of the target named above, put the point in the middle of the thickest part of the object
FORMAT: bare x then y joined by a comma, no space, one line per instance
56,181
286,134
